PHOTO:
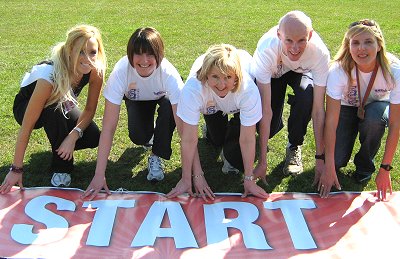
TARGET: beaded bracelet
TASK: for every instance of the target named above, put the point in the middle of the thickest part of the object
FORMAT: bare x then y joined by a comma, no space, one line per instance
17,170
195,177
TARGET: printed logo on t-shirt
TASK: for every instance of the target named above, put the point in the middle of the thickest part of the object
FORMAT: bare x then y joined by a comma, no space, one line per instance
159,93
211,108
68,106
133,92
380,93
351,96
301,70
279,70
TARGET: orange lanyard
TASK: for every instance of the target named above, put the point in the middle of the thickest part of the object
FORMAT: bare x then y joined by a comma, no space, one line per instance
360,111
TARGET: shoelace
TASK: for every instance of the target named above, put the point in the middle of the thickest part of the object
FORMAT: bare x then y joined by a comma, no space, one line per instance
155,163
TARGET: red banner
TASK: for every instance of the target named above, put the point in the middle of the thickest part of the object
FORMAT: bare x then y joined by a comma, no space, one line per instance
56,223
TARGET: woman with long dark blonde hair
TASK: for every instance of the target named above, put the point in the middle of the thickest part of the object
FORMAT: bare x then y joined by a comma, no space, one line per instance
363,97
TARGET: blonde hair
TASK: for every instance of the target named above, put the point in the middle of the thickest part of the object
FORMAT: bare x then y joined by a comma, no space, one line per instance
65,57
224,57
343,56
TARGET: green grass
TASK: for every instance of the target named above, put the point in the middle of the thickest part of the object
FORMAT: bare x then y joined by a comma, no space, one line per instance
28,30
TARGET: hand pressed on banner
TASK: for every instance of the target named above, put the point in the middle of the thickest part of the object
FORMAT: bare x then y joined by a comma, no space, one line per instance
202,188
96,185
326,182
260,172
181,187
251,187
383,184
319,168
10,180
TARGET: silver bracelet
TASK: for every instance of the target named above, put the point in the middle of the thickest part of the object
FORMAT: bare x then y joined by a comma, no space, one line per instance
249,178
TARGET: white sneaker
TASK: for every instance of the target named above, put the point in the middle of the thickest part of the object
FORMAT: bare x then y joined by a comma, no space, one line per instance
293,164
155,168
227,167
61,179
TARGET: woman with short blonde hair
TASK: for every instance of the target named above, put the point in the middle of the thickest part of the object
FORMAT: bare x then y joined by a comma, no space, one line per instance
219,85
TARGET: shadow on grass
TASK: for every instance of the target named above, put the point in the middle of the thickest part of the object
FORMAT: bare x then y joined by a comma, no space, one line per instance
274,178
118,174
304,181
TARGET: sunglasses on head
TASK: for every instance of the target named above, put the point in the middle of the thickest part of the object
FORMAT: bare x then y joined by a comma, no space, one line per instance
365,22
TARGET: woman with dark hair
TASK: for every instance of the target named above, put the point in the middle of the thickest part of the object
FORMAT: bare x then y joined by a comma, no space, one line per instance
145,79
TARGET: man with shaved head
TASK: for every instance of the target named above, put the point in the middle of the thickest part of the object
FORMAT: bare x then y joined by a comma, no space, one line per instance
291,53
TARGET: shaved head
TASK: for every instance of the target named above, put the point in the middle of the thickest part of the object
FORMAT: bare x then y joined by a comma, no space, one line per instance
295,19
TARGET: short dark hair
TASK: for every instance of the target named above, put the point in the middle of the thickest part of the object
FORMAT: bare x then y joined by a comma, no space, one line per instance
146,40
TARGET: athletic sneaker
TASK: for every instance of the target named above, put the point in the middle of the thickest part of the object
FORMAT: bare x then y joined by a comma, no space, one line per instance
293,164
155,168
61,180
227,168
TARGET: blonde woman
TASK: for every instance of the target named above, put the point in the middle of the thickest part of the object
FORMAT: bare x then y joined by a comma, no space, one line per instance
220,87
361,63
47,98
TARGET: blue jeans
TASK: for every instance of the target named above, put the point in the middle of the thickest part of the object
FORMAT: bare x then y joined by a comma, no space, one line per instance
370,130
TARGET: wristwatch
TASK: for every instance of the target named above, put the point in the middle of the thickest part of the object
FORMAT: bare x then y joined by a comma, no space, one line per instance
249,178
387,167
321,157
80,131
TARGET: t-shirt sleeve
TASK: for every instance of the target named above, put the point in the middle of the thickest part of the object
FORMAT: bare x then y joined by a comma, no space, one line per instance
189,105
250,105
42,71
395,93
263,60
174,83
246,61
336,82
116,84
321,70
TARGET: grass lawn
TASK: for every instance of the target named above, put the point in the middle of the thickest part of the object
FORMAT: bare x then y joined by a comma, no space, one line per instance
28,30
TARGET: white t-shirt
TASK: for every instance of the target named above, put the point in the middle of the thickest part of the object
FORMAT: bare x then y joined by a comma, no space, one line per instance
125,81
245,62
196,99
338,88
270,62
42,71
